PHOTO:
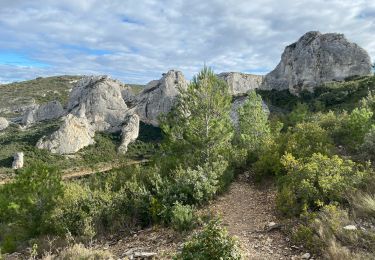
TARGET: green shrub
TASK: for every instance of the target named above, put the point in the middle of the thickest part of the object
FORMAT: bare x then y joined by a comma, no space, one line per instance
80,210
212,243
26,204
268,162
305,235
192,186
182,217
354,127
317,181
299,114
307,138
367,149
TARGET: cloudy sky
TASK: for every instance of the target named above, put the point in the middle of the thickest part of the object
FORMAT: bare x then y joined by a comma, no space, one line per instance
136,41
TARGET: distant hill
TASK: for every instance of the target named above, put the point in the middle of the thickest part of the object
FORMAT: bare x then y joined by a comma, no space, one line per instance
16,97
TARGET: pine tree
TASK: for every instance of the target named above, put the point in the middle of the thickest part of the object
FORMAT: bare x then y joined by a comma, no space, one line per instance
198,130
253,123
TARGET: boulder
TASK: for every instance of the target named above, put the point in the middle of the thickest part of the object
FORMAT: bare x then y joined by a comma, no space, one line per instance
17,161
129,132
74,134
159,96
99,100
3,123
317,58
38,113
241,83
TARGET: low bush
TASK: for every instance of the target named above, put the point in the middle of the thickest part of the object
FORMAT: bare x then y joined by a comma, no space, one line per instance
212,243
314,182
182,217
27,203
196,185
354,127
308,138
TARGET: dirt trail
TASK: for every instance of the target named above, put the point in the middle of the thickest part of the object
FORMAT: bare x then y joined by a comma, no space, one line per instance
247,210
85,171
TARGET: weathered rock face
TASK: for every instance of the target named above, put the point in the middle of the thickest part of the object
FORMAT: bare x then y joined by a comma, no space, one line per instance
95,104
38,113
317,58
74,134
3,123
129,132
241,83
128,96
17,161
99,100
159,96
237,104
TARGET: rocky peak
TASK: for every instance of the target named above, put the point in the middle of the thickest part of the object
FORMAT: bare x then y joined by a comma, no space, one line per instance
159,96
317,58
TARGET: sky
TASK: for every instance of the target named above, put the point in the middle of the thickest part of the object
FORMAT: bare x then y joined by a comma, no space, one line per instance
136,41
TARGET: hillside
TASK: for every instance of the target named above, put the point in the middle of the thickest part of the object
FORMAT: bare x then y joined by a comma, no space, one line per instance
16,97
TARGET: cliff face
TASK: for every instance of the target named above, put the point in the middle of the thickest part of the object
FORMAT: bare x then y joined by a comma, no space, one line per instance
241,83
317,58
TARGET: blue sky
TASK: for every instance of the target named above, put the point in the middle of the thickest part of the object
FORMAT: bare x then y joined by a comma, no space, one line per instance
136,41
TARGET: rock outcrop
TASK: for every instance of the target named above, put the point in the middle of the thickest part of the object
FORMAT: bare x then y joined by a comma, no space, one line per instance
3,123
129,132
38,113
241,83
317,58
159,96
17,161
74,134
99,100
95,105
128,96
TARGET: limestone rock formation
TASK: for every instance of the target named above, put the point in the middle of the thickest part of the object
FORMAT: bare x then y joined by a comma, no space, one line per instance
99,99
129,132
3,123
159,96
95,105
74,134
17,161
241,83
317,58
128,96
38,113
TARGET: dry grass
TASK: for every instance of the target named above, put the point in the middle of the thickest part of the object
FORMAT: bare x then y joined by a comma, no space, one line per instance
80,252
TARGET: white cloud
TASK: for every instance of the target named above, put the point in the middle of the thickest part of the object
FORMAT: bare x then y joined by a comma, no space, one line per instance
136,41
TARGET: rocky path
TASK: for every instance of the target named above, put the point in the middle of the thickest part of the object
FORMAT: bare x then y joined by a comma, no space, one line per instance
248,212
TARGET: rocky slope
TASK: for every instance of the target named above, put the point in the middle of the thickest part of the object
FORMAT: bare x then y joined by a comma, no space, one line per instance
317,58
